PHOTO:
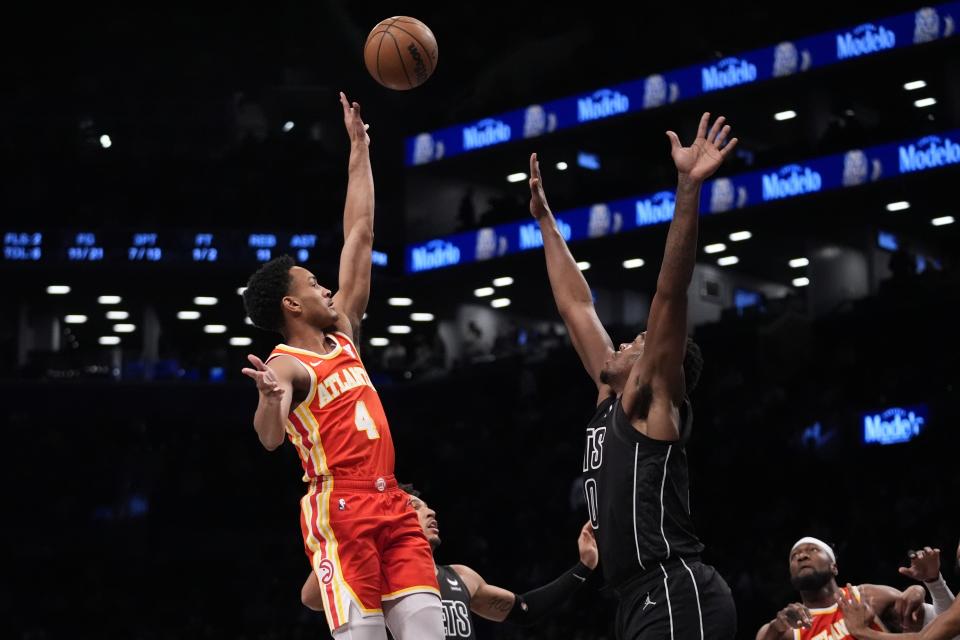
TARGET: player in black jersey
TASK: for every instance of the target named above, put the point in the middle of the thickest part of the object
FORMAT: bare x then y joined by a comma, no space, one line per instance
463,591
635,461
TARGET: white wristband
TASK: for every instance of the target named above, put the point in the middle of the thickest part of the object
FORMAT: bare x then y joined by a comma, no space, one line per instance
940,594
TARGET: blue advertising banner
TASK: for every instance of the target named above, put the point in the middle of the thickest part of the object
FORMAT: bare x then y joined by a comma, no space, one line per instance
895,425
781,60
855,167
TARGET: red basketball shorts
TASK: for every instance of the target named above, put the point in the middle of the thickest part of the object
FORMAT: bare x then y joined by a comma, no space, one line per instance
365,544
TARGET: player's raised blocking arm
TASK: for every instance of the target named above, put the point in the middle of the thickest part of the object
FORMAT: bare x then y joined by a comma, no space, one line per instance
660,371
353,290
570,289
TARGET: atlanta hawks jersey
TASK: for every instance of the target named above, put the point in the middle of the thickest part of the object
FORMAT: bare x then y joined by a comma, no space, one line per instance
828,623
340,429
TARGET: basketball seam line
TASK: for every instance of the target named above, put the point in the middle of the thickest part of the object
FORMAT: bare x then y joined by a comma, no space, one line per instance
400,57
370,37
385,31
380,46
426,52
417,23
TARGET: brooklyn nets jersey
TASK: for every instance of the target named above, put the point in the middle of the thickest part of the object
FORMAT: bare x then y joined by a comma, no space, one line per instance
637,493
455,599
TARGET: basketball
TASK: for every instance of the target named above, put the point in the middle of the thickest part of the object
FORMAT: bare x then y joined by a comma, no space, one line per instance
400,53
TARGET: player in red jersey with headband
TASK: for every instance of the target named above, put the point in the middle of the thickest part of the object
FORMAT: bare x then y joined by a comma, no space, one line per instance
363,539
813,572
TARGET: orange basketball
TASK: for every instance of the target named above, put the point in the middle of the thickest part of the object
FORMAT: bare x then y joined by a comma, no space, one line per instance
400,53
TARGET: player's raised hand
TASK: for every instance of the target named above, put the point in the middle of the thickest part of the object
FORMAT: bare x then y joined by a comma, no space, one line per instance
538,199
587,544
353,122
924,565
856,615
702,158
267,382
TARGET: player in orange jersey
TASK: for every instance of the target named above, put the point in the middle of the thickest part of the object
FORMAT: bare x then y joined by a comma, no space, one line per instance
363,539
813,572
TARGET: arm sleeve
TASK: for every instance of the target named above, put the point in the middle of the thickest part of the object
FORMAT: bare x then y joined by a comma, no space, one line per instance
532,606
940,594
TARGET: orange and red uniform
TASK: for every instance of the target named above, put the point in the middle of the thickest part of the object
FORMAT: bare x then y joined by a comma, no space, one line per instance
363,539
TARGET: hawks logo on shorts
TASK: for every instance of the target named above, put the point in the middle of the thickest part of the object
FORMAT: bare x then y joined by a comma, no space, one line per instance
325,571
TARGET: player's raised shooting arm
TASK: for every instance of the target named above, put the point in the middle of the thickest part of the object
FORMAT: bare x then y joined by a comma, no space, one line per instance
570,290
275,384
353,290
656,381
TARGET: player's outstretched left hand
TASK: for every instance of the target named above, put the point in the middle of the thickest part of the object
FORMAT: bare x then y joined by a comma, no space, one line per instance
266,378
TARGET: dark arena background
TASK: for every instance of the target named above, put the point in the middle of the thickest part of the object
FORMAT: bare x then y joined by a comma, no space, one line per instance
156,156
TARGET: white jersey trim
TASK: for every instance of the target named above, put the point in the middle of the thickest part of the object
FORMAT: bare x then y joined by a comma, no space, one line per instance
696,592
669,606
636,538
662,510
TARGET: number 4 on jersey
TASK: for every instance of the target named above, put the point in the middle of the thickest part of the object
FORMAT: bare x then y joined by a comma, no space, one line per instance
365,421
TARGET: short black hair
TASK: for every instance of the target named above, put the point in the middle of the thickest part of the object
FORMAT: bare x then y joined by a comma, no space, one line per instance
692,365
408,488
265,291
